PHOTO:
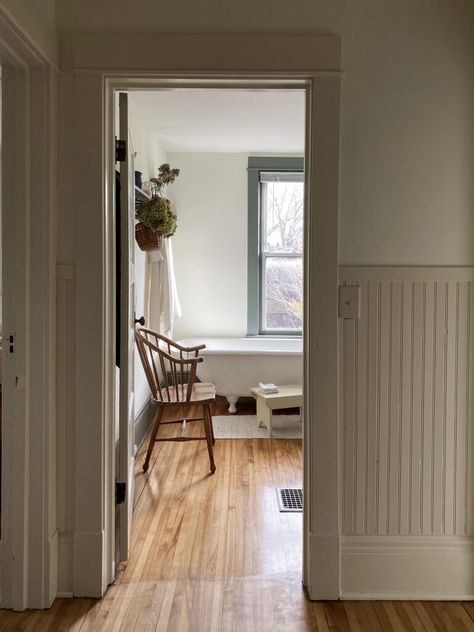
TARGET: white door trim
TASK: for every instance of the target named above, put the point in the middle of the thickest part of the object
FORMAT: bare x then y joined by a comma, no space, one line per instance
321,524
237,61
322,531
28,538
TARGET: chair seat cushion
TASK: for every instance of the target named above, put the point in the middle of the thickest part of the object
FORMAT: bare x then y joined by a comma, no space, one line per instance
201,392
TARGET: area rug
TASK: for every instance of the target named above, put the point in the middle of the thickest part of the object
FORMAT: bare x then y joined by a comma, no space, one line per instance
245,427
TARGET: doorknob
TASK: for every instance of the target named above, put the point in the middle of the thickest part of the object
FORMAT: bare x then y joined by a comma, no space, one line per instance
140,321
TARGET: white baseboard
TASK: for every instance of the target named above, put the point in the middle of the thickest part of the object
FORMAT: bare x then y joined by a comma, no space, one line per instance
323,564
405,596
143,422
88,572
407,567
53,568
65,563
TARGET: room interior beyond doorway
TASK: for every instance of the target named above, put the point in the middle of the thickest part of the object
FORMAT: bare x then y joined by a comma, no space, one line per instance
211,198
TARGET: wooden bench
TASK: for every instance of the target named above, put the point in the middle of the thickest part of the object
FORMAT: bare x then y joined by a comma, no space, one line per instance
288,396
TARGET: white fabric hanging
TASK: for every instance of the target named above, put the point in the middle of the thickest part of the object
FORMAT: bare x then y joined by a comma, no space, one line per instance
164,307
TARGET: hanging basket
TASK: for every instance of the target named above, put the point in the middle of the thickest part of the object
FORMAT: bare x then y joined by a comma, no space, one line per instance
147,238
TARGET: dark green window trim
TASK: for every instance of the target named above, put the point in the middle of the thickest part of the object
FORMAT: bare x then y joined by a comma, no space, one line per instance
255,166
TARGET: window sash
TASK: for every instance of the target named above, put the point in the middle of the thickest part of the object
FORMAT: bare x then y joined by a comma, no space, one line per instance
266,178
285,168
263,303
263,226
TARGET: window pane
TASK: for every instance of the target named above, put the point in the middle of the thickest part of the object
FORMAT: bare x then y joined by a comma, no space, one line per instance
283,293
283,204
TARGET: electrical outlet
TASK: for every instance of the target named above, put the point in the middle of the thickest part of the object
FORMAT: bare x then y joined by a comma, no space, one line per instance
349,301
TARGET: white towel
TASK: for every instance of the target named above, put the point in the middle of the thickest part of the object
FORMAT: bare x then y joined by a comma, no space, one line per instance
165,308
267,389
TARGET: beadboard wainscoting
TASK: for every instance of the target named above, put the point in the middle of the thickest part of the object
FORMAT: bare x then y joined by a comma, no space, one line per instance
406,384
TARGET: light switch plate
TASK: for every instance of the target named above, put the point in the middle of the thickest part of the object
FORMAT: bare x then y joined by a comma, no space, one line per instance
349,301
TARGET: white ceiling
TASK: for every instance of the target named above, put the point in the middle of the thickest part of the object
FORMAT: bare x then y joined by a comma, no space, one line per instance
211,120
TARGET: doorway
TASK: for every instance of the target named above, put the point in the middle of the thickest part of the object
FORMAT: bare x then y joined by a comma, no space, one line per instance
321,530
241,155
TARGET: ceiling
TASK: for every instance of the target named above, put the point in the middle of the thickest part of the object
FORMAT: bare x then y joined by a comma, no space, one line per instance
225,120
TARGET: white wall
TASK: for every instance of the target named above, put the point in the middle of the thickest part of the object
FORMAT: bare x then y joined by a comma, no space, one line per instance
48,9
210,245
407,197
407,193
37,20
149,157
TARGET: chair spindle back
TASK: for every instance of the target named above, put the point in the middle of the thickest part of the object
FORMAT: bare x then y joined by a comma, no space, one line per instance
169,367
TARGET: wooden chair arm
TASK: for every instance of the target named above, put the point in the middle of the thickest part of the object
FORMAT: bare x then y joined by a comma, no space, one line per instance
182,360
188,349
170,342
172,358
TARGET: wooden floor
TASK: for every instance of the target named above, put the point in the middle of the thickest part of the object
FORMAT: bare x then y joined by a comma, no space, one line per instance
212,553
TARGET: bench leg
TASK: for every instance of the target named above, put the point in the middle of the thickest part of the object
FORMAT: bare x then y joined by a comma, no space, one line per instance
264,416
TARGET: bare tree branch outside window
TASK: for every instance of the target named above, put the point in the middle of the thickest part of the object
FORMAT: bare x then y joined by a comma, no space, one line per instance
282,249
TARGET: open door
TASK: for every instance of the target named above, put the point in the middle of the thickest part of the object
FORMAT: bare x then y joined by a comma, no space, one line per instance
127,337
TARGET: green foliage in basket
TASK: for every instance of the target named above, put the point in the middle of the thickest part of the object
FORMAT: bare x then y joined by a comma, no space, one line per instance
157,214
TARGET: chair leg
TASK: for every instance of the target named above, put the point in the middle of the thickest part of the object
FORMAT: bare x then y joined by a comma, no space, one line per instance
212,427
208,428
154,432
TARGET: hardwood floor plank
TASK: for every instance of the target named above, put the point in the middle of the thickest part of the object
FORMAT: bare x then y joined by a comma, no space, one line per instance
428,617
318,619
214,554
101,611
469,607
439,616
398,616
336,616
362,616
64,615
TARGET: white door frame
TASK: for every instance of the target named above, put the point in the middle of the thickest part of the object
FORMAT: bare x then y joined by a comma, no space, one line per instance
321,478
95,65
28,530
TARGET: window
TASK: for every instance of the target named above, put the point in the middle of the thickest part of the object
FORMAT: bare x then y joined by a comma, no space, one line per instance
276,212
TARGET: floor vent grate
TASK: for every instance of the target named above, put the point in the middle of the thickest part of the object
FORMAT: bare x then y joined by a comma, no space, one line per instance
290,498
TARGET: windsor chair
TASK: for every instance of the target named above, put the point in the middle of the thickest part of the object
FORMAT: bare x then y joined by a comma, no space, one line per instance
170,370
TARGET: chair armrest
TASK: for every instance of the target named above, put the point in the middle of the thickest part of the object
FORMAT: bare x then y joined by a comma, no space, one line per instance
170,342
188,349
